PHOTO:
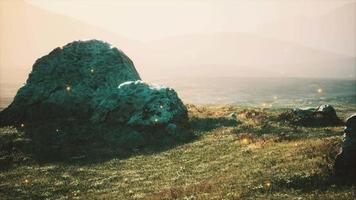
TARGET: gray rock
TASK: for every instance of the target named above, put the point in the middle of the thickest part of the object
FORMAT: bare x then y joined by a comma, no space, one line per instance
304,112
327,109
345,162
90,80
323,115
232,115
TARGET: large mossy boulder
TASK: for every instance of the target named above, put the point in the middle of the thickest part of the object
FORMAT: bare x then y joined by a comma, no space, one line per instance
90,80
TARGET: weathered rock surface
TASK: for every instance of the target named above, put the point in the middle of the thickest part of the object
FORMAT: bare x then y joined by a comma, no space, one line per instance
90,80
345,162
138,103
319,116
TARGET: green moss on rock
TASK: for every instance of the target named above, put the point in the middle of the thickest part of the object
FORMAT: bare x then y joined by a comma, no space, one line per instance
91,80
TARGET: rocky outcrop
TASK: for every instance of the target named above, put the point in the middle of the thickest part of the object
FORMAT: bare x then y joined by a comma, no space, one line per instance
345,162
91,80
323,115
138,103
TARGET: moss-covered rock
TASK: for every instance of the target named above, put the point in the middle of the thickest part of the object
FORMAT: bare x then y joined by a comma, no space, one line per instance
91,80
138,103
62,83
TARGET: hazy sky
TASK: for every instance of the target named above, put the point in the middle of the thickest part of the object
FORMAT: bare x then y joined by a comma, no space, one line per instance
147,20
293,38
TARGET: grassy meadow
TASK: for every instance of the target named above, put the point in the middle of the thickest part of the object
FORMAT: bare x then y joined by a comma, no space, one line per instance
255,155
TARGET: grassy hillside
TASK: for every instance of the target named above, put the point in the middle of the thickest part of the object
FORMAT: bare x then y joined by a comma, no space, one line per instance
256,156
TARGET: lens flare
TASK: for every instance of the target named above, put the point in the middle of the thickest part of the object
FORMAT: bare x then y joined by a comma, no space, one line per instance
245,140
267,184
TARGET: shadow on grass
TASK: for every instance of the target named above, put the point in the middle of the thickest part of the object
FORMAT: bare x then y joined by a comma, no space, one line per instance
304,184
79,142
209,123
314,182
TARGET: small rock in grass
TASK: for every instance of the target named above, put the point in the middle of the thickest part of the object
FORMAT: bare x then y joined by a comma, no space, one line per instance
232,115
323,115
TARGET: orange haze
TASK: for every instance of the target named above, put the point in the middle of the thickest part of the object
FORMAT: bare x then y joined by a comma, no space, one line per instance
271,38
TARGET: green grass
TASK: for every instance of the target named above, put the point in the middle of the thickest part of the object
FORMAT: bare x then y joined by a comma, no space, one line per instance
256,157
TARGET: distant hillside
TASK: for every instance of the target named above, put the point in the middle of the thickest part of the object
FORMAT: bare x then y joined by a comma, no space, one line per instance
242,54
38,34
334,31
219,54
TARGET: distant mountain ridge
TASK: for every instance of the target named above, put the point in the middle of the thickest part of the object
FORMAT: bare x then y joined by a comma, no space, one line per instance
215,54
39,32
233,53
334,31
